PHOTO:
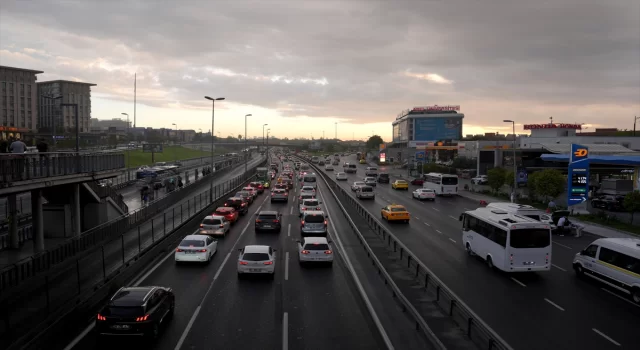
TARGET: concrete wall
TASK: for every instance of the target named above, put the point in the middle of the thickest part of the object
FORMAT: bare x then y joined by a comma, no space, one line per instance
57,220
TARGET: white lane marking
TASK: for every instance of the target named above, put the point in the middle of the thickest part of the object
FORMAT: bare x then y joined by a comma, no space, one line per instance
518,282
435,209
286,266
562,245
554,304
620,297
285,331
606,337
453,217
453,240
558,267
426,224
289,231
363,293
439,231
215,277
291,211
417,218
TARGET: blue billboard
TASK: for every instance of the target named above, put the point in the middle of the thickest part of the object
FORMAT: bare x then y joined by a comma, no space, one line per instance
578,177
420,156
438,128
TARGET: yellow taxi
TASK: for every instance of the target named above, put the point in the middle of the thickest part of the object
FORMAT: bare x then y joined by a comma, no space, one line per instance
400,185
362,161
395,212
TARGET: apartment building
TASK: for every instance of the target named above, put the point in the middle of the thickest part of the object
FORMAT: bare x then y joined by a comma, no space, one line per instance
18,101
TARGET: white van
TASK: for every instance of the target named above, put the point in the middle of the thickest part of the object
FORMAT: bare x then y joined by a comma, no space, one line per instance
310,180
524,210
613,261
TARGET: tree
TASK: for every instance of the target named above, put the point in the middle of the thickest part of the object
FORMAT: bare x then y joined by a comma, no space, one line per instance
549,183
240,137
508,179
495,178
531,184
374,142
632,203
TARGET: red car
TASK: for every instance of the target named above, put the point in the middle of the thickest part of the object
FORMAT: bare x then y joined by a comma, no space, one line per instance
229,213
258,186
418,182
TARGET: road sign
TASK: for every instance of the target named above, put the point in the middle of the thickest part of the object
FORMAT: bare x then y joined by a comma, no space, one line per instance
420,155
578,175
152,148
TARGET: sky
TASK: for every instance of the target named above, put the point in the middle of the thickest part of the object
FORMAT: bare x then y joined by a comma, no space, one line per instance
308,68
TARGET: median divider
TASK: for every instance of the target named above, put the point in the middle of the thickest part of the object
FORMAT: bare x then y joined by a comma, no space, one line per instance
71,296
475,328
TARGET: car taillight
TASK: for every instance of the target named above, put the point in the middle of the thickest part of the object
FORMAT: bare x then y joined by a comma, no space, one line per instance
302,222
325,222
276,221
226,205
286,193
318,208
546,259
304,208
201,225
305,252
243,204
300,198
268,262
142,318
201,250
221,226
179,250
328,252
101,318
272,193
258,220
244,263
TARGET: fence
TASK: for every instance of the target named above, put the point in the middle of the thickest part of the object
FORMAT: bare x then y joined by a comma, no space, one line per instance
13,275
61,288
106,191
476,329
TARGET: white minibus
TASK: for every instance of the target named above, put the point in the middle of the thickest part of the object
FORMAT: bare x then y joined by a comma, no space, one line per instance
524,210
443,184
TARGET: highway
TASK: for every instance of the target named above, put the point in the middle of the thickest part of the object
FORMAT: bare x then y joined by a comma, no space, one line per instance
564,312
302,308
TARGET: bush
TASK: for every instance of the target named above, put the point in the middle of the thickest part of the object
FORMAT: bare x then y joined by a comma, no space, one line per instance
495,178
632,203
548,183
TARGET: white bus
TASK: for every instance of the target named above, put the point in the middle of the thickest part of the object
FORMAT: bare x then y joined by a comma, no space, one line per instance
511,243
309,180
524,210
443,184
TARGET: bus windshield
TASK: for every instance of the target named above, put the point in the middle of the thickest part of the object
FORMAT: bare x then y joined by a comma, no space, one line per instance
530,238
449,180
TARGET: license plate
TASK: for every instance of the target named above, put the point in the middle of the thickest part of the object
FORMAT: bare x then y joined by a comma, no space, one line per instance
255,270
120,326
189,252
267,226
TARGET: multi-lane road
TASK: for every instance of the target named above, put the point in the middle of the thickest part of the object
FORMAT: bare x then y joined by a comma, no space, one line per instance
302,308
552,310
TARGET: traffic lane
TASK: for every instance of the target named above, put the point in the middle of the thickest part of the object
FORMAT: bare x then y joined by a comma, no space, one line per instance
189,282
244,313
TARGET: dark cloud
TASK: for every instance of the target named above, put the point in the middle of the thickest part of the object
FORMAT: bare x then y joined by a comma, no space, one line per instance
344,59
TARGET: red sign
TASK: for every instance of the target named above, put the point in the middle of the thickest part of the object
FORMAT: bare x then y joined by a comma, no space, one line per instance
436,108
553,126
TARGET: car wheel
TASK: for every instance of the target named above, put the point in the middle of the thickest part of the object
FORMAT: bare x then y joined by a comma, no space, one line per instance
154,332
172,310
490,263
467,247
579,270
635,295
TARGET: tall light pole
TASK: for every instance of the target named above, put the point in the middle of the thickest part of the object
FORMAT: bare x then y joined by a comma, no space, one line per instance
175,153
246,147
268,130
263,134
515,173
213,113
336,127
635,119
128,150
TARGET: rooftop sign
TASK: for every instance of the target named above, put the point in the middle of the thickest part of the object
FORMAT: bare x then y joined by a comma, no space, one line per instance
552,126
429,109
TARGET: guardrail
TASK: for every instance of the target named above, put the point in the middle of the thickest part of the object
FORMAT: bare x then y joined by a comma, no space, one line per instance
58,292
475,328
106,191
13,275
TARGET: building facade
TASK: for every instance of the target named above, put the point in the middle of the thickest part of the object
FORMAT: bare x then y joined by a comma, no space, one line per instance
18,99
119,124
431,123
55,118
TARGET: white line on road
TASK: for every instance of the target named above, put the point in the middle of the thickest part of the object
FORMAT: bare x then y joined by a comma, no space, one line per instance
518,282
453,217
286,266
427,224
189,325
289,231
417,218
620,297
562,245
436,209
606,337
558,267
291,211
453,240
554,304
285,331
439,231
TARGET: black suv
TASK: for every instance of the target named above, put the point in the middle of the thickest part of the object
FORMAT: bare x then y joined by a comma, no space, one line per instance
136,311
268,220
241,206
383,178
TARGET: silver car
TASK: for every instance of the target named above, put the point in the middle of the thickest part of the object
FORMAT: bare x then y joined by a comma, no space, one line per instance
365,192
308,204
328,168
214,225
313,223
355,185
308,190
341,176
315,250
257,260
278,194
370,181
371,171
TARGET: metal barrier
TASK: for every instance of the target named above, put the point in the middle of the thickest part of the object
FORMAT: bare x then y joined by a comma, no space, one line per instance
56,290
475,328
13,275
106,191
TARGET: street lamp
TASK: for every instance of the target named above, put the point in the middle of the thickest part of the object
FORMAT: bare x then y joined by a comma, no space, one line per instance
213,113
263,134
246,148
128,151
515,175
634,124
175,153
268,130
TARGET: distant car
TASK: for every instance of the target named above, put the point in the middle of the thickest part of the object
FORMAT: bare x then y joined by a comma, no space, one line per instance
257,260
400,185
417,181
424,193
328,168
239,204
246,195
362,161
370,181
137,311
321,163
252,190
279,194
281,186
196,248
229,213
610,203
315,250
313,223
268,221
383,178
308,204
307,190
365,192
214,225
335,162
371,171
258,186
341,176
480,180
357,184
395,212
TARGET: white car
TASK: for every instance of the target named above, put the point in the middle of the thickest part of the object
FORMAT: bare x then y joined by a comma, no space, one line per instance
357,184
315,249
308,190
341,176
257,260
196,248
480,180
328,168
252,190
308,204
424,193
370,181
214,225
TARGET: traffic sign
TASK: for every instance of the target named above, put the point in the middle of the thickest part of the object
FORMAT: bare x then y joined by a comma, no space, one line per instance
420,155
578,175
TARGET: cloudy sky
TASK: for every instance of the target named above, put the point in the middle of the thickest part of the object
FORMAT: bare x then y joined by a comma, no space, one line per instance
301,66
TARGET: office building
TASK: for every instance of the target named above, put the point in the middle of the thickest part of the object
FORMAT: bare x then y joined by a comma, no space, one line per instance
116,124
56,119
428,124
18,99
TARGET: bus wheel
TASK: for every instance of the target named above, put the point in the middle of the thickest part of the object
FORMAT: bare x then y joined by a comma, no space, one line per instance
490,262
468,249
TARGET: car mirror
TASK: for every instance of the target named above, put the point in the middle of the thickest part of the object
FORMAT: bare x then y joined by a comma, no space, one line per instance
329,241
461,217
297,240
239,249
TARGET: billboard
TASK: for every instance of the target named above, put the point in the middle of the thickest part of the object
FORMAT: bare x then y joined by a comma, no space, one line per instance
420,156
578,177
152,148
439,128
552,126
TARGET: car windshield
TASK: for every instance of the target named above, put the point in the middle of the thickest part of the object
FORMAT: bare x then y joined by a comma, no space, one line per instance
279,191
373,169
267,217
307,188
125,311
359,183
242,194
211,222
223,212
530,238
384,176
255,256
397,209
449,180
192,243
315,218
310,203
316,246
366,189
401,182
234,202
